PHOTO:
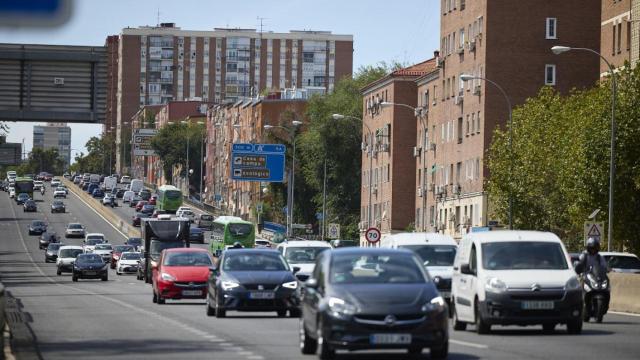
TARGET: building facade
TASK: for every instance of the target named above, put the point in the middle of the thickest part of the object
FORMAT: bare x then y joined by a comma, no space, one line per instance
165,63
615,33
388,167
54,136
10,153
508,44
635,32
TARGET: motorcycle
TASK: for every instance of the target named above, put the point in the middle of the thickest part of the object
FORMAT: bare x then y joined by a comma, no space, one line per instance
112,202
42,190
596,294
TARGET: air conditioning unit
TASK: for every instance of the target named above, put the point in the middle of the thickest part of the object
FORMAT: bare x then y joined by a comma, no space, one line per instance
472,45
476,90
458,100
460,49
432,146
416,151
419,191
440,62
384,147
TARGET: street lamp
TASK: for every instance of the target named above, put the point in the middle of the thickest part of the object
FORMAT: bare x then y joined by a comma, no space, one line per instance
186,173
290,192
111,151
201,159
467,77
612,165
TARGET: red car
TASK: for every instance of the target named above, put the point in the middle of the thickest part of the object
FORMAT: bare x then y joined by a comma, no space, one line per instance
140,204
181,273
152,200
117,252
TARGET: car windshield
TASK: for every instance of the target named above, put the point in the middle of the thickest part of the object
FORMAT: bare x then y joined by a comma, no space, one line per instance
70,253
93,241
434,255
88,259
75,226
173,194
189,258
122,248
156,247
623,262
104,247
134,241
302,255
253,262
240,229
57,203
37,223
131,256
375,269
53,246
523,255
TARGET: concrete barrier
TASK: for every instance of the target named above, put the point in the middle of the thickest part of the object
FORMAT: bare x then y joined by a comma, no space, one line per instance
625,292
104,211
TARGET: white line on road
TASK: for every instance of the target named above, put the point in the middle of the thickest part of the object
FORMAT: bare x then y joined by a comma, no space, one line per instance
624,313
469,344
102,217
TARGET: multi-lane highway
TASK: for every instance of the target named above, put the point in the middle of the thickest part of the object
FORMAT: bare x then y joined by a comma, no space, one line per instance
117,319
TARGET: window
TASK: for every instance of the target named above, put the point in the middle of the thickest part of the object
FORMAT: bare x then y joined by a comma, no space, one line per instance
550,74
551,28
613,40
460,127
462,4
619,37
628,35
478,123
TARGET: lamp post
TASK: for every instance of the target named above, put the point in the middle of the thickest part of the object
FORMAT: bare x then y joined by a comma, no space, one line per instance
612,164
201,160
467,77
187,167
340,117
111,151
290,191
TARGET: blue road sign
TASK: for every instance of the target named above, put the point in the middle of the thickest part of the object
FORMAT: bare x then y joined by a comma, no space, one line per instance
258,162
34,12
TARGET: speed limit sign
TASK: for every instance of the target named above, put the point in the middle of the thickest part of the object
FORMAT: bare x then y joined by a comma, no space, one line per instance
372,235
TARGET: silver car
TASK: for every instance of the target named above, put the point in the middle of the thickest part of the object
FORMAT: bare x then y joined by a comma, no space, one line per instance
74,230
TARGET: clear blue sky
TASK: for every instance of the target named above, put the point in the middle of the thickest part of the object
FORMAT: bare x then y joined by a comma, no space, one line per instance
401,30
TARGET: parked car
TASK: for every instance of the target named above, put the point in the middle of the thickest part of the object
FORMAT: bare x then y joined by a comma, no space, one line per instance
515,278
252,280
74,230
303,255
89,266
622,262
370,299
117,253
181,273
58,206
51,254
30,206
37,227
205,221
103,250
46,238
196,235
128,263
66,257
140,204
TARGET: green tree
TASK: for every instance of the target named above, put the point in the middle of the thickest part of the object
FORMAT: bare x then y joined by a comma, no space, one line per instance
39,160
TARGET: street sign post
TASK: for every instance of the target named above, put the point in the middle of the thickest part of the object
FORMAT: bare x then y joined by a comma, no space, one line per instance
594,230
142,142
258,162
372,235
259,207
333,231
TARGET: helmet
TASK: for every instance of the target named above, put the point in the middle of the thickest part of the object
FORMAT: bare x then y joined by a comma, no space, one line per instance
593,245
237,245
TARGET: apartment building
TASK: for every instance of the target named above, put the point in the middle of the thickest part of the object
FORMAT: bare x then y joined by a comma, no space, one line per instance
388,168
243,122
509,44
165,63
54,136
615,33
635,32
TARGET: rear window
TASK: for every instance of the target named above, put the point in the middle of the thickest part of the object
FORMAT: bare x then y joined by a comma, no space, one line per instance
523,255
623,262
375,269
434,255
206,217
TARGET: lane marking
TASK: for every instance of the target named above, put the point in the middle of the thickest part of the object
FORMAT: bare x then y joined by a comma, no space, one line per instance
624,313
469,344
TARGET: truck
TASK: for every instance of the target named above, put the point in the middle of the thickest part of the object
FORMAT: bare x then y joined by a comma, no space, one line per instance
136,185
110,182
160,234
94,179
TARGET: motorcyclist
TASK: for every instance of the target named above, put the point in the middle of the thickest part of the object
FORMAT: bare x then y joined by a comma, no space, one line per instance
237,245
591,257
596,295
42,189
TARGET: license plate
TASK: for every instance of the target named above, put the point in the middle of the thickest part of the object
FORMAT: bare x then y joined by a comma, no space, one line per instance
261,295
390,339
537,305
191,292
90,272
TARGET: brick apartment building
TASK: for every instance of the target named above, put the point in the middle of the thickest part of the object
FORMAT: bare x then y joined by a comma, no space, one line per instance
165,63
243,122
388,182
615,33
505,42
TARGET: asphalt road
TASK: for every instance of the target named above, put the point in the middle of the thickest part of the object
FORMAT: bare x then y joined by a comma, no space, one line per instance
116,319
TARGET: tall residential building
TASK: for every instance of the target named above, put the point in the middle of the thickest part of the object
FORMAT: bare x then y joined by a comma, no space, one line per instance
54,136
508,44
615,33
165,63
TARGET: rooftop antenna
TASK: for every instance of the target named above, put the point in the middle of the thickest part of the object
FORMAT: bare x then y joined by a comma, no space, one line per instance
158,14
261,23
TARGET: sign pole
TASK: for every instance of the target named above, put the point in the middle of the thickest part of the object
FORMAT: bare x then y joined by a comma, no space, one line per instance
324,199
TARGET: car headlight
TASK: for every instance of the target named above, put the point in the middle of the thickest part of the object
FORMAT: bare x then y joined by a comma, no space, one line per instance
340,308
572,284
167,277
291,285
228,285
495,285
436,304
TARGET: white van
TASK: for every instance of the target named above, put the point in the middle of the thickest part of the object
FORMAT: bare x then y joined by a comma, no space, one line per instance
128,196
437,252
136,185
515,278
126,179
302,254
110,182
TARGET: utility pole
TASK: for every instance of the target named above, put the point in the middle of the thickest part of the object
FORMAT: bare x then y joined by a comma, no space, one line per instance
324,199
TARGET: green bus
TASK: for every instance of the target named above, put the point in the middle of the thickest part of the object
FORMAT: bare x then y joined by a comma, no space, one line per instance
24,185
169,198
227,230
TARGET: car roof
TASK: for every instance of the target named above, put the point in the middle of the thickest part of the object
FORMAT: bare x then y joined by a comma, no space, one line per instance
95,234
74,223
355,250
252,251
173,250
303,243
418,238
71,247
614,253
513,235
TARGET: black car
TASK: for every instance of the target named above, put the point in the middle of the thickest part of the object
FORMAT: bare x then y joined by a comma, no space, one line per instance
58,206
48,237
371,298
145,194
90,266
196,235
136,242
252,280
37,227
119,193
51,254
97,193
30,206
21,198
85,185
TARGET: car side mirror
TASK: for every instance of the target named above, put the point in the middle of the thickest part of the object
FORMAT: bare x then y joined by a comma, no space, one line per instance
311,283
296,269
213,269
465,269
